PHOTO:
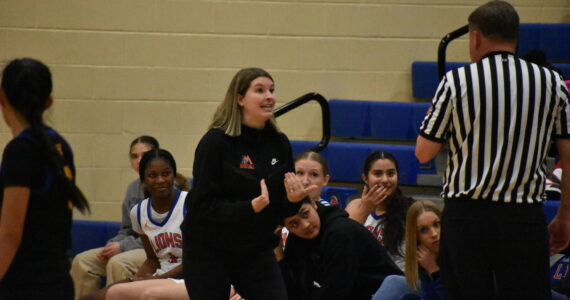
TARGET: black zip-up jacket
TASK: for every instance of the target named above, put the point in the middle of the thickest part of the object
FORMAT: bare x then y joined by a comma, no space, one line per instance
344,261
227,174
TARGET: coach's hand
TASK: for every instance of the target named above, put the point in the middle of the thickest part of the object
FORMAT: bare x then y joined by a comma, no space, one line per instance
295,189
262,201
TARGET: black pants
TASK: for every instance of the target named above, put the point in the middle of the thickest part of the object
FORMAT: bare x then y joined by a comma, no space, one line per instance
60,290
255,276
494,251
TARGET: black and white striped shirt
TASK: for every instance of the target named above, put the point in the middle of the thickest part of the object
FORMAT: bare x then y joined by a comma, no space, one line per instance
498,117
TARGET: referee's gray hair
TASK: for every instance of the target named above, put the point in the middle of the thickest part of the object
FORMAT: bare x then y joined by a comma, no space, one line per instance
496,20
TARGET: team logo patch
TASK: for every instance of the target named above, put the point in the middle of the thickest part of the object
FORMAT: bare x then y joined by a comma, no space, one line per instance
68,172
59,148
246,163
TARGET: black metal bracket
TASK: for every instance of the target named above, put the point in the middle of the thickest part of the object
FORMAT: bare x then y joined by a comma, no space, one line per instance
443,46
325,110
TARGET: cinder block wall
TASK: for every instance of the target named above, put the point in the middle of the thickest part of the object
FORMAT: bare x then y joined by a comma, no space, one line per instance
123,68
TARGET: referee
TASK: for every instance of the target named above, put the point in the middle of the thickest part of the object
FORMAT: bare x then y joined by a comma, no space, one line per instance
497,117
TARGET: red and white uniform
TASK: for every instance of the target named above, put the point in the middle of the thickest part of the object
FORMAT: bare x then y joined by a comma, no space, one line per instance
376,225
163,230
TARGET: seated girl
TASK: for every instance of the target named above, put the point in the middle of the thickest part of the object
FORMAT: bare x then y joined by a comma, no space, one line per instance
312,169
382,207
157,220
329,256
422,278
123,255
423,227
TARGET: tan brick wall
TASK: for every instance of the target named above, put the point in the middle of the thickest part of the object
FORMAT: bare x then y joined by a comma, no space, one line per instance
128,67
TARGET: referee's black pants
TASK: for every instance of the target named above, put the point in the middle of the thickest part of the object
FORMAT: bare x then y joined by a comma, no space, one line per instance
209,273
494,251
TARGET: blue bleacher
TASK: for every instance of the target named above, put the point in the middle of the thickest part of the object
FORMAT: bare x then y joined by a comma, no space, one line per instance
346,159
377,120
87,235
337,195
425,81
553,39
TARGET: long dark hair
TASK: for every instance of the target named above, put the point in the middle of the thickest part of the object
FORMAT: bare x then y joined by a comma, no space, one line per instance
396,207
27,85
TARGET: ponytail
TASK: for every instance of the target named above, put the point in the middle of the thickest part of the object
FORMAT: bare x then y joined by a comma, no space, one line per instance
27,85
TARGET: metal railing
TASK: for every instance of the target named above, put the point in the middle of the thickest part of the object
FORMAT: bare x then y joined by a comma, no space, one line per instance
443,47
325,110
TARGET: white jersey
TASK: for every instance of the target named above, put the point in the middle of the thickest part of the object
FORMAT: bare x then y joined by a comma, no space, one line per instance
162,230
375,224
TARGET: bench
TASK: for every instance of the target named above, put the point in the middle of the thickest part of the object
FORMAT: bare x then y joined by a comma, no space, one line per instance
425,81
86,235
345,160
552,39
381,120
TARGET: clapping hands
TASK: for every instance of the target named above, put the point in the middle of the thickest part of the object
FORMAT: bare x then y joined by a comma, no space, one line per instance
295,189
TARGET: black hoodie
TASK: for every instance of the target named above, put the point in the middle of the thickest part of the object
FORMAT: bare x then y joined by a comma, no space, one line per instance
343,262
227,173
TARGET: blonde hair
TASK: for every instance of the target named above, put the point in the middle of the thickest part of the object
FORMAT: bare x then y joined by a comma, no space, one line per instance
228,115
415,210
